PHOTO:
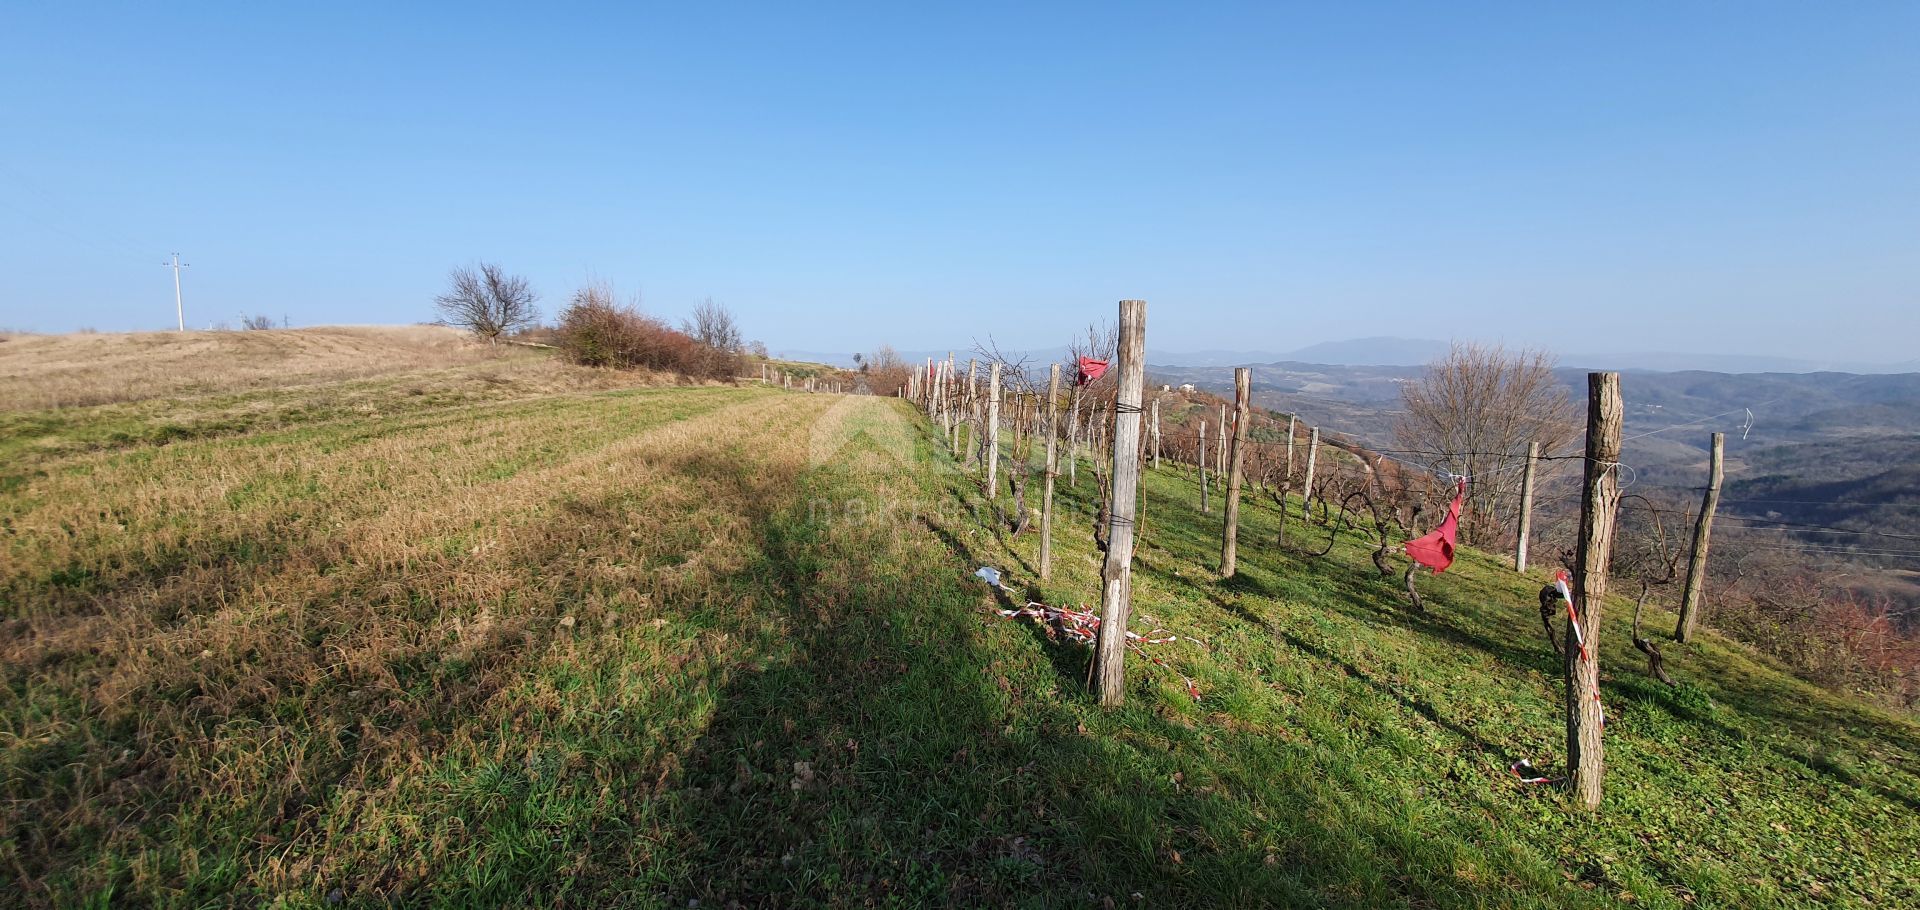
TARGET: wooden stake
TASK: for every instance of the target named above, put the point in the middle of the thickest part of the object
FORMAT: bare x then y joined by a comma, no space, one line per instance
1156,434
1073,437
1202,460
1116,595
1702,540
1526,509
1313,458
1053,468
1242,391
1599,504
1291,421
993,433
1220,450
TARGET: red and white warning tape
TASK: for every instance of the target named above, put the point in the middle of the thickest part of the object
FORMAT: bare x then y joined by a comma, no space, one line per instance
1084,627
1573,621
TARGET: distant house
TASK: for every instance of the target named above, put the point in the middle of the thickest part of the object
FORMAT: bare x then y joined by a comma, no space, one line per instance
1186,387
1166,388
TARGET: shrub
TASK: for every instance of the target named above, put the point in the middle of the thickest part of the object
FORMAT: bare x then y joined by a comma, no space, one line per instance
596,331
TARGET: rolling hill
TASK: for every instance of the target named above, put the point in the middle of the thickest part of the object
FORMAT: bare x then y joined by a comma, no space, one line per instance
517,634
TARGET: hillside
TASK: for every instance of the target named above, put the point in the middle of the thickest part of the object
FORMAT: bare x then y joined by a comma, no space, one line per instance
1813,437
76,370
545,641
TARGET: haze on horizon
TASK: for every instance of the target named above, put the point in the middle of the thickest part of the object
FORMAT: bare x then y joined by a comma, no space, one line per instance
1726,180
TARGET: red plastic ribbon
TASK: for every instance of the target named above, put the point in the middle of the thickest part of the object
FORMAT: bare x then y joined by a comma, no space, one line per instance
1090,370
1435,550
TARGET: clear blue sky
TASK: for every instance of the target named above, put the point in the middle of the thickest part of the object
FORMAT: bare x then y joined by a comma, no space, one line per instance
1715,177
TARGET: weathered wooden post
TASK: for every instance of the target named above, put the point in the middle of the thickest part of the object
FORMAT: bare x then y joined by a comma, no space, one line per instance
1220,449
1116,594
1599,503
1053,467
1156,434
1073,435
1202,459
953,407
1313,459
1690,597
936,388
993,432
1526,508
1291,421
973,413
1229,536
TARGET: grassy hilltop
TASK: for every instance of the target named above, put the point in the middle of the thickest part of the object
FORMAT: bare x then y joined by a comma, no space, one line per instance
492,631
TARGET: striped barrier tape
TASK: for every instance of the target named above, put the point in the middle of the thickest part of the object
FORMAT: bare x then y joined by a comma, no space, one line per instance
1084,627
1573,621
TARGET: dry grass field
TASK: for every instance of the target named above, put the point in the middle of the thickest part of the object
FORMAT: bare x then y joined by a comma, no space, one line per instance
503,633
77,370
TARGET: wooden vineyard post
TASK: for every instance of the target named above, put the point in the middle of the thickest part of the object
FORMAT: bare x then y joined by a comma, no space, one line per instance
993,432
1292,421
1599,503
936,402
1220,450
973,415
1053,467
1073,436
1702,539
1526,508
1116,594
1202,460
1313,458
1242,390
1156,434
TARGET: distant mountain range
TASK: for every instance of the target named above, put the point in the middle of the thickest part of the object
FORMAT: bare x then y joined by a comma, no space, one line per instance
1384,351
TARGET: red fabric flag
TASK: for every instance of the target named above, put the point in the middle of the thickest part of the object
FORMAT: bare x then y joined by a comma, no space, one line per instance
1435,551
1090,370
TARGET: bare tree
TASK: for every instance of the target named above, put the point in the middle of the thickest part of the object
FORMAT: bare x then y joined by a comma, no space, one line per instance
713,325
886,372
1474,412
488,302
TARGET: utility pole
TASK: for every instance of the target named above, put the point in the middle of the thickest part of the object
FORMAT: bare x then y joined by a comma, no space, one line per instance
179,312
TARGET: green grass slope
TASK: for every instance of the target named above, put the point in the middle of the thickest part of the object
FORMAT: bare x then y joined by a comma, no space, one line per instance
614,648
1348,752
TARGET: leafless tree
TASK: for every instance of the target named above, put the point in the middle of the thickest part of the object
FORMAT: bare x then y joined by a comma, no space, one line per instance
713,325
886,372
1474,412
487,301
256,323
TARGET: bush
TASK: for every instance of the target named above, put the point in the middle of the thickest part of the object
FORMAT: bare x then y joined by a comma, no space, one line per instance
596,331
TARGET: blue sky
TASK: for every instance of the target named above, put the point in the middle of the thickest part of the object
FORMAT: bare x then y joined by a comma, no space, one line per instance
1713,177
